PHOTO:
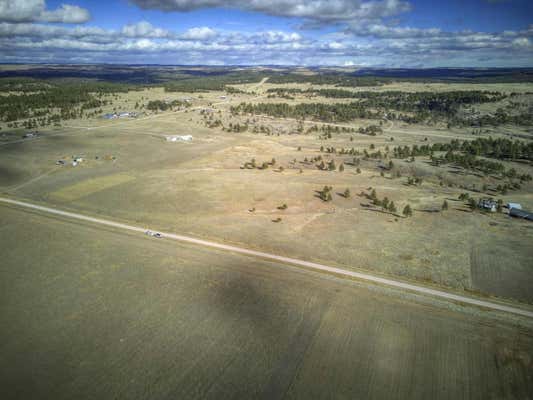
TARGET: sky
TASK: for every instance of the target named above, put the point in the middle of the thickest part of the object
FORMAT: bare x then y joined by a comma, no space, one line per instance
360,33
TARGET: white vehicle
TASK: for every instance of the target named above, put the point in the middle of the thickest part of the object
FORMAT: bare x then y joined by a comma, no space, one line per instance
153,234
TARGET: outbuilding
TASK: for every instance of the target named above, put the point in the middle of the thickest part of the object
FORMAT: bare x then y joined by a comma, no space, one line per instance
518,213
488,204
179,138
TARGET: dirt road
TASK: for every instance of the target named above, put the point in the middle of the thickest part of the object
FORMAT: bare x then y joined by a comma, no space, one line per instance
287,260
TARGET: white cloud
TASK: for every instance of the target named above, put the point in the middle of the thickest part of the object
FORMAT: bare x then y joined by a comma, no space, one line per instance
144,29
199,33
383,31
35,10
67,14
317,10
16,11
521,42
372,44
336,45
276,37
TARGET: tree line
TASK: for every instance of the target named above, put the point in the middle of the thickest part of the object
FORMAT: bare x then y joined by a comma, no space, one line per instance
338,112
498,148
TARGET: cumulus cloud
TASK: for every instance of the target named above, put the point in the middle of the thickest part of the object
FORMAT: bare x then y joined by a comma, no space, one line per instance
67,13
383,31
200,33
361,44
35,10
317,10
522,42
276,37
144,29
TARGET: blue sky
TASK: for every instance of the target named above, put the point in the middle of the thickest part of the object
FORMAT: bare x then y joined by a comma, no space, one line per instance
381,33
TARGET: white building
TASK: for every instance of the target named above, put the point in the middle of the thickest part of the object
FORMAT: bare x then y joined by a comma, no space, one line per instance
514,205
179,138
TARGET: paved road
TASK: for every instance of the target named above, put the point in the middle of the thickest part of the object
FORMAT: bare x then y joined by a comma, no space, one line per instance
287,260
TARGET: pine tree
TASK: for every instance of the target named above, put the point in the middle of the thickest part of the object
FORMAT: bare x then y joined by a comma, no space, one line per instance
407,212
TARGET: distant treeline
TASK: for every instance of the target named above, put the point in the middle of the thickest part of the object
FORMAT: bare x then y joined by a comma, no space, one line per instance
500,117
159,105
500,148
328,79
420,105
440,102
466,153
338,112
160,74
53,101
217,82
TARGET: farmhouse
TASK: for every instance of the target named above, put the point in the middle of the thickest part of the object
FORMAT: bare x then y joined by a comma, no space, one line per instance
127,114
488,204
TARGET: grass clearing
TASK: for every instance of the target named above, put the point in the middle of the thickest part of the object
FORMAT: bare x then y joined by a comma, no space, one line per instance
87,311
90,186
198,188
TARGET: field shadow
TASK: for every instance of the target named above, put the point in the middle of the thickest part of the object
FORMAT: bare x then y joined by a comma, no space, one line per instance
10,176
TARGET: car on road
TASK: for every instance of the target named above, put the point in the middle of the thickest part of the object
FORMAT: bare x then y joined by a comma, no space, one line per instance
153,234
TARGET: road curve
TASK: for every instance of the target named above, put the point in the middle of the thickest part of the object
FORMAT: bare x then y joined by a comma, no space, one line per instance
311,265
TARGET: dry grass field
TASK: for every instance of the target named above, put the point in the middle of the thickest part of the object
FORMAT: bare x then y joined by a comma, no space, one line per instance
130,173
88,312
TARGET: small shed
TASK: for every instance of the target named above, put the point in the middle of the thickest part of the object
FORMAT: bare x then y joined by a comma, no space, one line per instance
179,138
488,204
514,205
517,213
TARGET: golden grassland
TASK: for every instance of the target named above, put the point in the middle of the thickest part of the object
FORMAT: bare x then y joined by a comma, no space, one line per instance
200,188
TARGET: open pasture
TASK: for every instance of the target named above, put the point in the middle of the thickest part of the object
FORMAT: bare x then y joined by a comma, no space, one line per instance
131,173
89,312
